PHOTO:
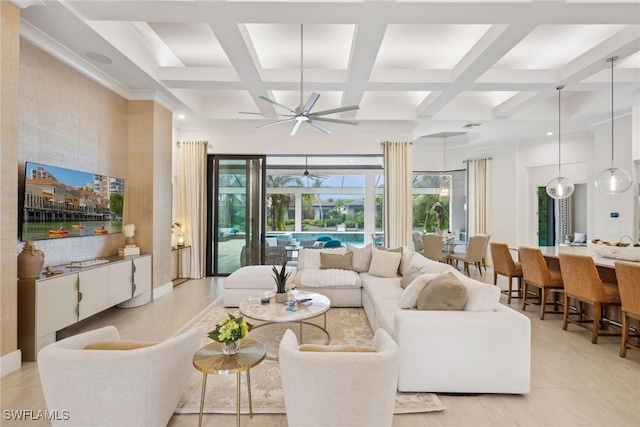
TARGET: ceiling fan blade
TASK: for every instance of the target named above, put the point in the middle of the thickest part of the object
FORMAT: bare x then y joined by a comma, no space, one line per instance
266,115
335,110
275,123
264,98
296,126
344,122
319,127
310,103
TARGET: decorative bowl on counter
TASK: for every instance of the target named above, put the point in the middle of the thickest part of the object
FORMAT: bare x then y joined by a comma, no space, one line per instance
626,253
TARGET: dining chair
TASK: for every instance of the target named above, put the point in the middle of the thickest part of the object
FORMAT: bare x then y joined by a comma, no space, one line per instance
473,254
628,276
487,237
432,247
582,283
536,273
504,265
417,242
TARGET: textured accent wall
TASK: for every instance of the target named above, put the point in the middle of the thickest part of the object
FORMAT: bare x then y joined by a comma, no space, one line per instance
68,120
9,92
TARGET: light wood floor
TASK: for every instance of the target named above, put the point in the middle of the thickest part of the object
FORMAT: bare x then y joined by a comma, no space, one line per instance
574,383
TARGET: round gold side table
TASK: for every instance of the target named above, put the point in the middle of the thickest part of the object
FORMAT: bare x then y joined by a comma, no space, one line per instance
210,360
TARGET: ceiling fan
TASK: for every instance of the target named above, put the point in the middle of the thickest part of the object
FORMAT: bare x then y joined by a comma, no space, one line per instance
302,113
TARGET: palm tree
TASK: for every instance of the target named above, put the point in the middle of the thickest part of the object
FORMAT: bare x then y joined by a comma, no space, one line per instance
280,202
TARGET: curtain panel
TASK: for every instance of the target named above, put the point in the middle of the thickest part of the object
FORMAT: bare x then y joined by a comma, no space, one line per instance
398,201
478,198
191,200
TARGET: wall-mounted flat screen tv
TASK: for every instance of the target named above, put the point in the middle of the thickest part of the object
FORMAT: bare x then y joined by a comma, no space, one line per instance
61,203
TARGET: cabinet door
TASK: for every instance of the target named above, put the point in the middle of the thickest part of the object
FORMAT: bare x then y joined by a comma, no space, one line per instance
120,282
56,303
94,292
142,275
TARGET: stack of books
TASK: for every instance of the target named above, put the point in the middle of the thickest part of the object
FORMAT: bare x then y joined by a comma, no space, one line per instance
129,251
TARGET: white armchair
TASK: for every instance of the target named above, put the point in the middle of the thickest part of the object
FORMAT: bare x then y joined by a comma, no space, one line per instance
343,388
139,387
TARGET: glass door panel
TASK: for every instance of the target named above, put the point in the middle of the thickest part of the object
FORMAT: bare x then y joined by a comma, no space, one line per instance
237,213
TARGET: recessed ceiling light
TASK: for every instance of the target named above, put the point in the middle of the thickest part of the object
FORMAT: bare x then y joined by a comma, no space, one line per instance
182,116
471,125
549,133
98,57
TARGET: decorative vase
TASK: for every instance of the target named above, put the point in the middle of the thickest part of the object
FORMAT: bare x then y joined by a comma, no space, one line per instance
30,261
281,297
230,348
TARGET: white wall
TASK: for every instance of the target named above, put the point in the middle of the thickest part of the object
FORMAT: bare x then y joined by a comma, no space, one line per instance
602,204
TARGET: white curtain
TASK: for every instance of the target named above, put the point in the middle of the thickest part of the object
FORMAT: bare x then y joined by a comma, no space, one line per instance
192,209
479,195
398,202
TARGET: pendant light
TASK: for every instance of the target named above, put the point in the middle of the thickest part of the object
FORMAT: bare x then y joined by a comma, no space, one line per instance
559,187
613,180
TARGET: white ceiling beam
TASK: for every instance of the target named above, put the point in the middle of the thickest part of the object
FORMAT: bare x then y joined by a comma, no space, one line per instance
233,43
623,44
366,44
492,46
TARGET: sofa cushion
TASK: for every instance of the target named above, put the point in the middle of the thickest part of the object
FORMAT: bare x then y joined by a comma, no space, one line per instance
410,295
409,276
361,257
338,348
310,258
385,263
381,287
118,345
341,262
255,277
426,265
480,296
444,292
318,278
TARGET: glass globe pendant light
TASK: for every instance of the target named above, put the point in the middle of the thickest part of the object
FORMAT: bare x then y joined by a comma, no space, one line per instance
443,180
613,180
559,187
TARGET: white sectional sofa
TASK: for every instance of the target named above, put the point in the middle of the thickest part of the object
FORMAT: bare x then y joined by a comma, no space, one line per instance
485,348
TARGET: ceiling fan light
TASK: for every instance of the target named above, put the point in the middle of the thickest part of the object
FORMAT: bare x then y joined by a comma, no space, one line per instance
613,181
560,188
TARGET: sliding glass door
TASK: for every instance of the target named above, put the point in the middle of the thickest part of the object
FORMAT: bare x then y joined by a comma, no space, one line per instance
236,217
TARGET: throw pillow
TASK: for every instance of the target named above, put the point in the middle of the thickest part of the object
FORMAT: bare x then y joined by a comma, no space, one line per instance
118,345
405,261
444,292
384,263
338,348
427,265
409,277
341,262
382,248
410,295
480,296
361,257
310,258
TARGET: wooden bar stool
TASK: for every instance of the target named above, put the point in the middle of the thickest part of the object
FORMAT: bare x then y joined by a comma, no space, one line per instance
504,265
537,274
628,275
582,282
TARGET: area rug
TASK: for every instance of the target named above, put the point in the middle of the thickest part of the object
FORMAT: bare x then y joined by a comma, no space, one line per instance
345,325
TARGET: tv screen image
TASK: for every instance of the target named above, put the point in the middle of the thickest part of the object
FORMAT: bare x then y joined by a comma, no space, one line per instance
62,203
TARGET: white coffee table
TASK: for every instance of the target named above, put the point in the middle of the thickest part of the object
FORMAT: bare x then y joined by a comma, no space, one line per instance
273,313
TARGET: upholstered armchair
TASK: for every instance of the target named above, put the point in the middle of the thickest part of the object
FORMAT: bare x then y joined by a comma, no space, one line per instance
339,388
136,387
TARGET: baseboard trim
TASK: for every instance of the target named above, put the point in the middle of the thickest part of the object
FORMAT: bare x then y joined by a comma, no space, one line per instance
162,290
10,362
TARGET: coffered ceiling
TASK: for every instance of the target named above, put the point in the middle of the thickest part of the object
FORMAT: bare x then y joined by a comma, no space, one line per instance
427,67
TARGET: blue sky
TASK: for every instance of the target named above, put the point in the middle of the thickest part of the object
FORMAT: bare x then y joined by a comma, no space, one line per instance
66,176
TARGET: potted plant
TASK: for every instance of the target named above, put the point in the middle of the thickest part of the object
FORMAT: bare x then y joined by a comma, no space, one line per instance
229,331
281,281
